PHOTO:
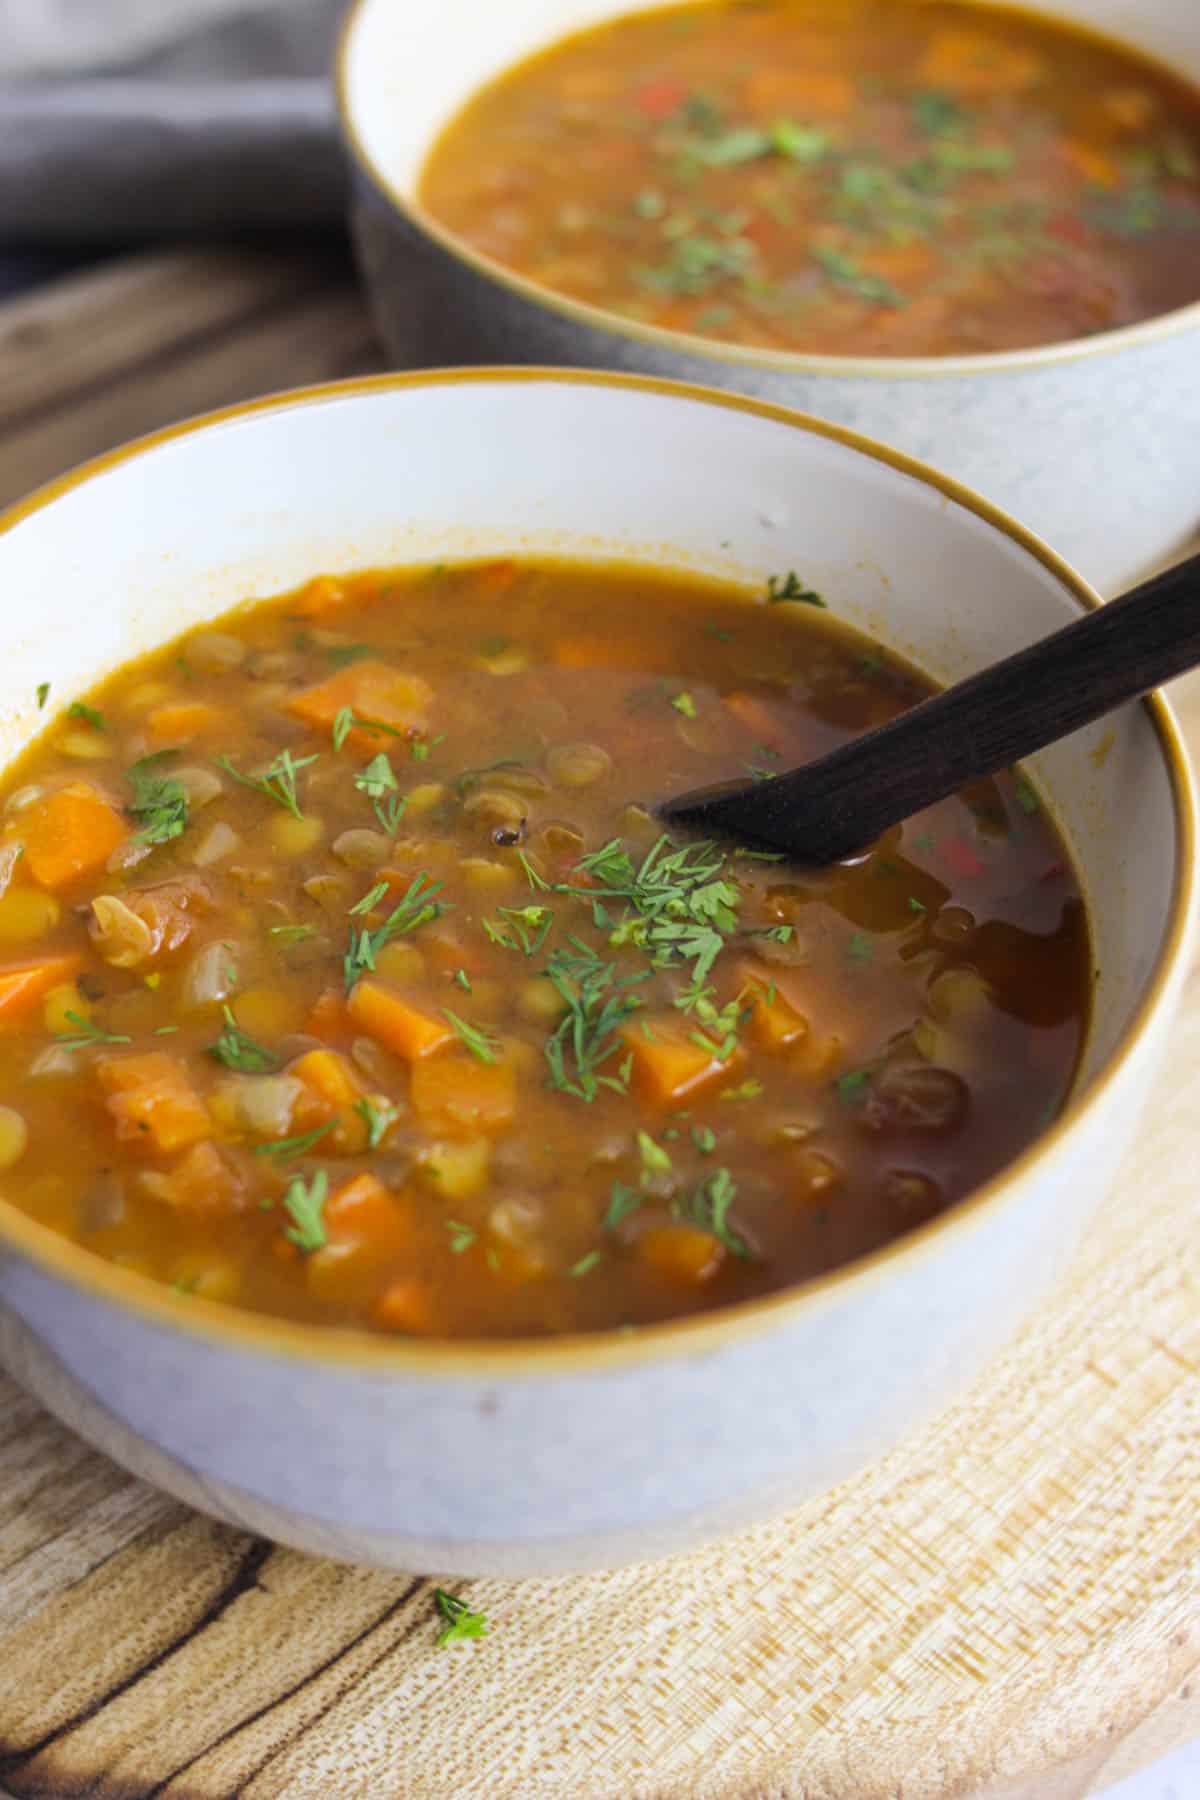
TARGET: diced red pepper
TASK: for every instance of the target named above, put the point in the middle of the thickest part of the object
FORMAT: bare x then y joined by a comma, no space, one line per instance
659,99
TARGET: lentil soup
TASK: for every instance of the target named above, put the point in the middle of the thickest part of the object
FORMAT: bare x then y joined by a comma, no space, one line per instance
850,177
343,934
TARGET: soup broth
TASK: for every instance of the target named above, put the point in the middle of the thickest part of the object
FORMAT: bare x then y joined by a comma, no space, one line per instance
851,177
345,938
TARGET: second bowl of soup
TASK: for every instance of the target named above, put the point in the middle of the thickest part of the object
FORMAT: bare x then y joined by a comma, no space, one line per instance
431,1110
971,230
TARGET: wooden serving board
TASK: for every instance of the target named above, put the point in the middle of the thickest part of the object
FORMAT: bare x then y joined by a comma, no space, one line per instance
1007,1608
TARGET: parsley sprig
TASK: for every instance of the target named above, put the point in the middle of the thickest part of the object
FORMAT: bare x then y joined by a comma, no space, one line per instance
159,804
481,1044
277,781
598,1001
86,1033
378,782
238,1050
525,930
708,1206
417,906
305,1204
679,905
461,1622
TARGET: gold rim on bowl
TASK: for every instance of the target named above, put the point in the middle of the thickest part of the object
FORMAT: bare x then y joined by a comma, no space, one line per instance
230,1326
682,343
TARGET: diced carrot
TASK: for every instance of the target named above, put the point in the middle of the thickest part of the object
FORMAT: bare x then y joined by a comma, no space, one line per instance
396,1023
754,714
407,1306
70,833
180,720
774,1021
670,1066
22,987
1091,163
324,593
329,1076
459,1096
334,1091
152,1101
362,1208
659,99
374,692
681,1253
496,577
329,1019
201,1183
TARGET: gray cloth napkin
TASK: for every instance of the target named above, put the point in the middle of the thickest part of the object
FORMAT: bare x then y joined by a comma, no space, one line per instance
129,118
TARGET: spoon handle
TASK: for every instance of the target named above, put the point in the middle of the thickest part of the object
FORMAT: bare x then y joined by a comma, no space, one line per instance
844,800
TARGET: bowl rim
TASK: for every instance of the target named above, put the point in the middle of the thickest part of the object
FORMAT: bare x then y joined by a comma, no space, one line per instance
1155,329
230,1328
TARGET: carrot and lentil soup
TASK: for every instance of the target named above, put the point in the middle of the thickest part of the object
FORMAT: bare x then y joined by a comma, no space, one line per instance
862,177
344,938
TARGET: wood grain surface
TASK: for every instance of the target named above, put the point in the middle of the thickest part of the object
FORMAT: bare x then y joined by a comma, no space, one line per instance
1007,1608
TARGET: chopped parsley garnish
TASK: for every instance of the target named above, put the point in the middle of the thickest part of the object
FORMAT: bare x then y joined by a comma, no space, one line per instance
378,1115
860,949
461,1622
1027,799
852,1087
623,1201
43,693
790,587
680,906
704,1139
277,781
844,272
531,875
747,1090
237,1050
86,1033
480,1043
461,1236
77,710
416,908
525,930
462,980
585,1265
378,782
347,720
305,1204
160,803
655,1160
683,703
286,935
709,1207
370,899
915,905
598,1002
938,114
295,1146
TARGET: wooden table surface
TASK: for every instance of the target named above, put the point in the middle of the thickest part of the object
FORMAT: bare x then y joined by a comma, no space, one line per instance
1006,1608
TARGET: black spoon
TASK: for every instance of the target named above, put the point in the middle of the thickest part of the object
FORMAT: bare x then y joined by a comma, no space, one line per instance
843,801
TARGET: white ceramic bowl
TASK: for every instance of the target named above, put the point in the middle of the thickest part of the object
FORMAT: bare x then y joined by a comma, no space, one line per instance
550,1456
1091,443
